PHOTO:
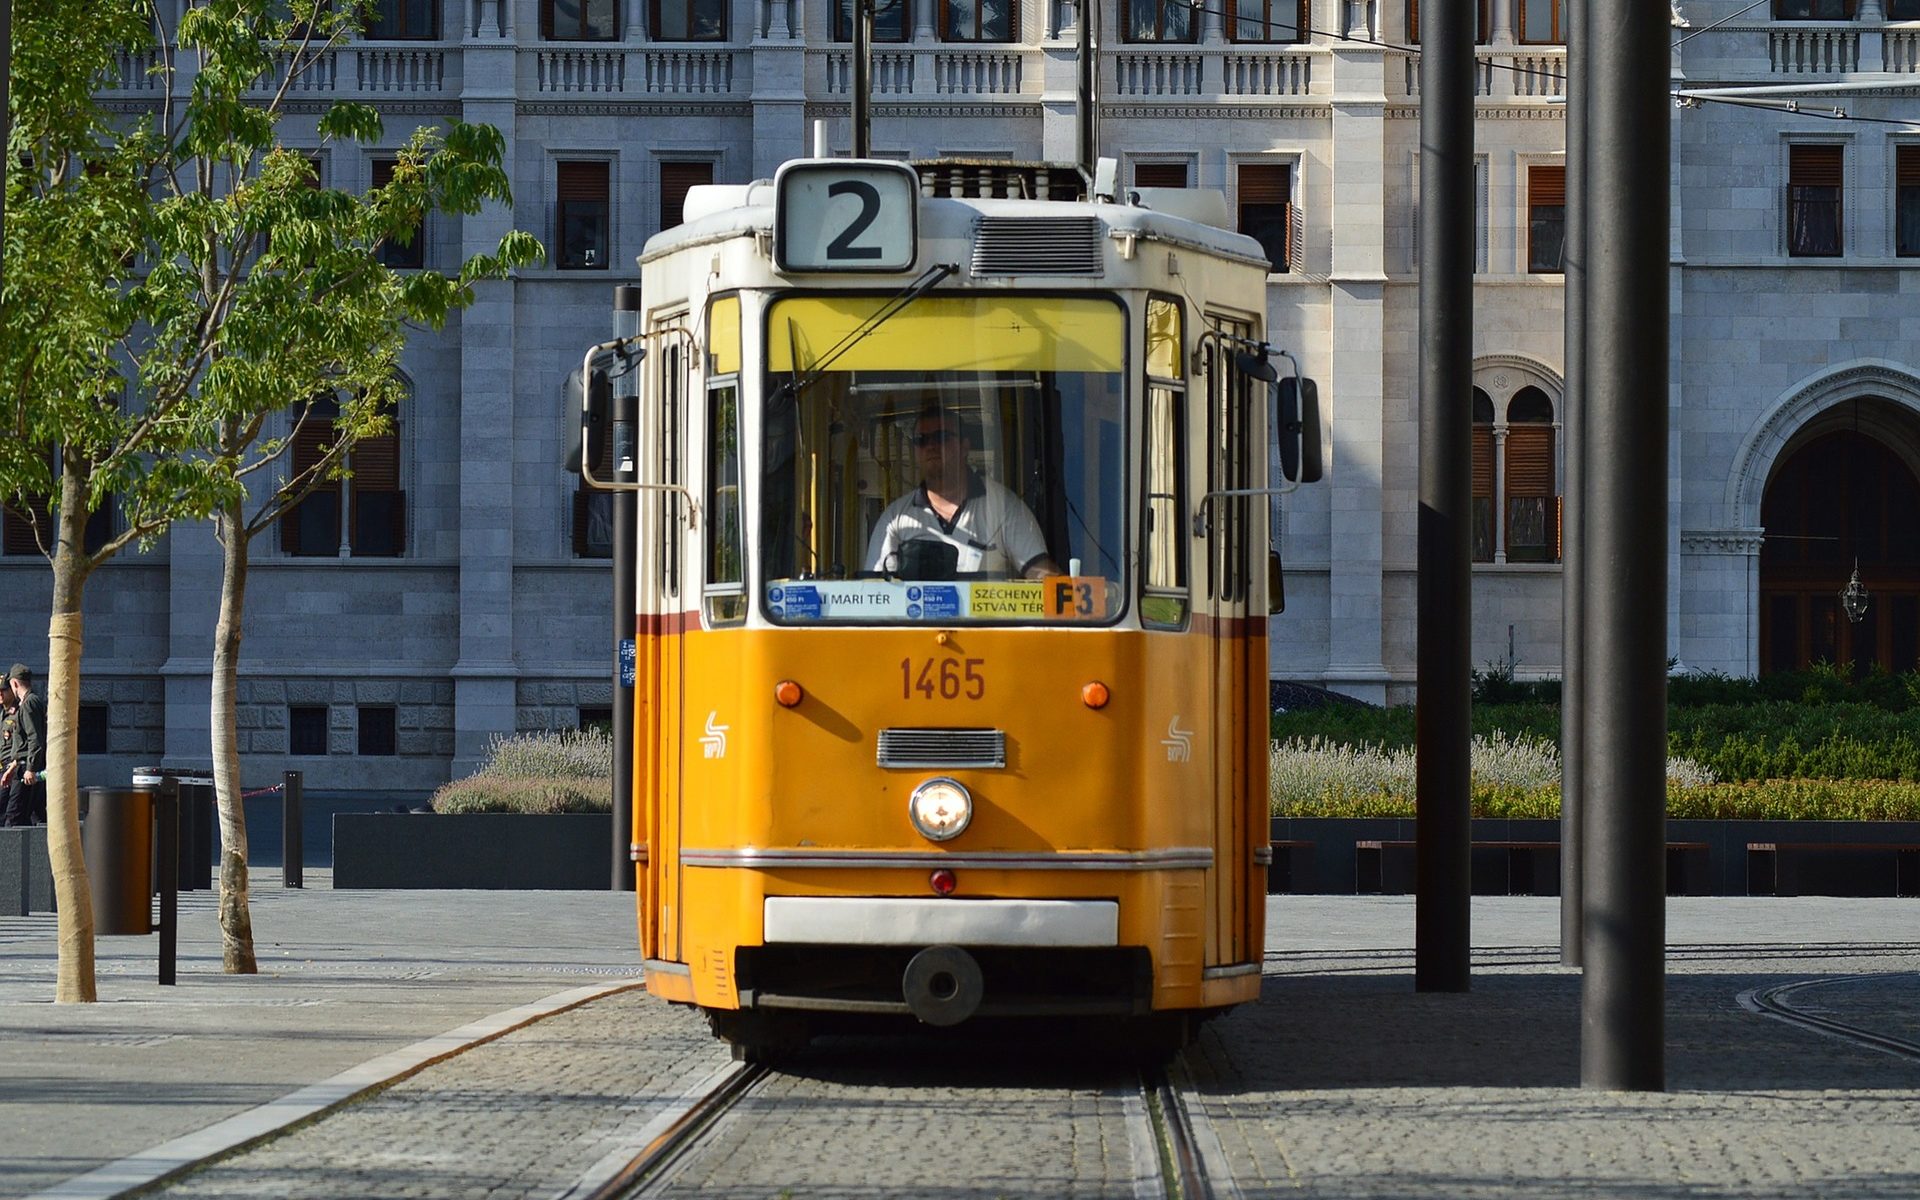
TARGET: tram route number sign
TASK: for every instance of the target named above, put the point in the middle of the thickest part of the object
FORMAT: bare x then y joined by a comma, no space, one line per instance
845,214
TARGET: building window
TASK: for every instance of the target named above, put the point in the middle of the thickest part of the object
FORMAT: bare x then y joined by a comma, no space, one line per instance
1266,210
889,21
1514,480
1540,22
403,20
577,20
596,717
592,507
1532,501
1267,20
28,525
676,180
1906,199
1903,10
1813,201
690,20
1160,21
1820,10
1482,30
96,720
374,504
307,729
979,21
1546,219
1160,174
405,250
583,215
376,730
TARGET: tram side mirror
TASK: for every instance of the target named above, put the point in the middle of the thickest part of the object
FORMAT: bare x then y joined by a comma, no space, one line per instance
1297,423
591,431
1276,584
1254,366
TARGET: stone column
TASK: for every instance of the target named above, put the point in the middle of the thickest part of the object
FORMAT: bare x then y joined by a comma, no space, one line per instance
485,672
1355,377
779,104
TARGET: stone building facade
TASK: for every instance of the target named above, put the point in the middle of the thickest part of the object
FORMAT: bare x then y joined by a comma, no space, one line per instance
464,601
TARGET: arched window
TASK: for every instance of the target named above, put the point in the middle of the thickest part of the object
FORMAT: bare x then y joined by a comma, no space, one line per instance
371,506
1532,501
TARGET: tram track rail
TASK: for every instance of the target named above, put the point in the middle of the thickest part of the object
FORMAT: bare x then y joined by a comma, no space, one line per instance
685,1129
1775,1002
1183,1171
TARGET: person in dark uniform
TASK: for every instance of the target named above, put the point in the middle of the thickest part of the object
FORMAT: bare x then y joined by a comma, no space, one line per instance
25,777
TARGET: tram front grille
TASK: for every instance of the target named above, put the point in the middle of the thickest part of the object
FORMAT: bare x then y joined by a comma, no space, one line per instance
1037,245
941,748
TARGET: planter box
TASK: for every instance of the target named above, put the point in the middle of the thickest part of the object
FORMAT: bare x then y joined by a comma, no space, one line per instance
26,875
567,851
1324,857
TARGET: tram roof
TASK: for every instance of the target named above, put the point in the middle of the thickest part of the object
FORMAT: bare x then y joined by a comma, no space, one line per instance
1193,218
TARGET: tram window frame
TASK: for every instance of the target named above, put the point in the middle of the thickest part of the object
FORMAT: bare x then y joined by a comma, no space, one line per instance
1229,465
672,393
724,586
1163,442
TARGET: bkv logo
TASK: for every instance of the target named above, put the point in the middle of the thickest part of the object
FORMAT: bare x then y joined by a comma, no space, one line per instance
1179,742
713,743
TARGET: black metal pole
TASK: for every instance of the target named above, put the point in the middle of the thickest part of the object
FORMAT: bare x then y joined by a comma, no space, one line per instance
6,121
1623,872
1573,504
862,78
1087,98
1442,885
626,532
293,847
166,807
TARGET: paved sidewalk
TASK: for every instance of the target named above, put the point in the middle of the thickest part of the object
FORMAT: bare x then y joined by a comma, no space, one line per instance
345,977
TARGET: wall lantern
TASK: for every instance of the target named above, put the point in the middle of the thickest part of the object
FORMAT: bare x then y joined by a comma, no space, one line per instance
1853,597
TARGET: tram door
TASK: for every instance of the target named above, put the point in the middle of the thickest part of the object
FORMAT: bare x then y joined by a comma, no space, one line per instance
1231,451
661,555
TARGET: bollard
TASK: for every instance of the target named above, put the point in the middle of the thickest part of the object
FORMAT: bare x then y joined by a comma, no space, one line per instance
292,839
167,813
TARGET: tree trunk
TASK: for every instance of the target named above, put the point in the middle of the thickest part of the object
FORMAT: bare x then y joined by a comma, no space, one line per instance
236,920
75,979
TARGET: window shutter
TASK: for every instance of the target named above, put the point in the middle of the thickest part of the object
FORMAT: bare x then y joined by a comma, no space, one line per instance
383,171
546,19
582,180
676,179
1530,460
1814,166
1547,185
1160,175
1483,460
375,462
310,441
1413,22
20,523
1906,168
1263,183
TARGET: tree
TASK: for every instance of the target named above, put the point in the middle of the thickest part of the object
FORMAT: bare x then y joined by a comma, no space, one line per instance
174,280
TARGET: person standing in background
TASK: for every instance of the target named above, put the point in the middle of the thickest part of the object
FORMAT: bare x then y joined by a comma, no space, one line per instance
24,779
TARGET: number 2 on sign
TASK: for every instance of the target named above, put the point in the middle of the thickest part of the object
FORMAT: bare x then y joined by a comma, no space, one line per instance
947,678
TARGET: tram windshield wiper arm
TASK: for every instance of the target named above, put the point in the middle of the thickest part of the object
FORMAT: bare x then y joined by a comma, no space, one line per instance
928,280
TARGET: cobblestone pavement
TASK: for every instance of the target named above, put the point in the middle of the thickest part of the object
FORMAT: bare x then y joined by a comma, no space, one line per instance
1342,1083
524,1115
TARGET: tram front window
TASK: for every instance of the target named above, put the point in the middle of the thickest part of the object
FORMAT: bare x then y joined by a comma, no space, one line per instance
961,461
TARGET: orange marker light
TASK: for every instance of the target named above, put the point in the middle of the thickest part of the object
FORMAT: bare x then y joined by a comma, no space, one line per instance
788,693
1094,695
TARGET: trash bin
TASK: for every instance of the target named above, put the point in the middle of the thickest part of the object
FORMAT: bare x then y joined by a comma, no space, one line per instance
198,825
117,840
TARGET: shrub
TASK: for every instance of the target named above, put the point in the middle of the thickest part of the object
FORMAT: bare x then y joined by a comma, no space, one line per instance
548,772
499,794
559,754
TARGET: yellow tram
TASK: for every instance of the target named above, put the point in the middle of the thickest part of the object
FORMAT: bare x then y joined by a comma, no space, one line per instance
953,571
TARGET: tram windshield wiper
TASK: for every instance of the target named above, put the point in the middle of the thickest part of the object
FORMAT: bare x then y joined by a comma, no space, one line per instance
928,280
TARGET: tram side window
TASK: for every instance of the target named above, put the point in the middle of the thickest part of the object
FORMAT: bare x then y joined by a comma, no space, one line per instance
726,576
1231,457
1163,557
672,389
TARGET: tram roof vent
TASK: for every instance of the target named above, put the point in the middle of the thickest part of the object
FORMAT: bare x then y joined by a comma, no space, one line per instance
941,748
1037,246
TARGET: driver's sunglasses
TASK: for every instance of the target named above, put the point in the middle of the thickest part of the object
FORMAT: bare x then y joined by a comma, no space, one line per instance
936,438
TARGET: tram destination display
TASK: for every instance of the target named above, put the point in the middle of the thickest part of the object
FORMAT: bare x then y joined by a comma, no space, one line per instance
845,215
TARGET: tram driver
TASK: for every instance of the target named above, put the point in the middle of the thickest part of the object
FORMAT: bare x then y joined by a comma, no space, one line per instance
989,529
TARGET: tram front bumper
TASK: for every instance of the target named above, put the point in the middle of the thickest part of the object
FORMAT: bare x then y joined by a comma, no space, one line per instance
897,921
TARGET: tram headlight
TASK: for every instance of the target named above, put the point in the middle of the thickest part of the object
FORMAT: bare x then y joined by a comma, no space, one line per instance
940,809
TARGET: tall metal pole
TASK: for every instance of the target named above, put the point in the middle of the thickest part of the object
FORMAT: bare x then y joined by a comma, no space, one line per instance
6,121
1443,887
1573,549
626,533
862,78
1087,97
1623,871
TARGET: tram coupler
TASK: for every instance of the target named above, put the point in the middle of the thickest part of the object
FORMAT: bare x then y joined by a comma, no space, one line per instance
942,985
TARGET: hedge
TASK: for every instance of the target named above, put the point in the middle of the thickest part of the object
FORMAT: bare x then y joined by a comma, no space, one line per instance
1769,800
